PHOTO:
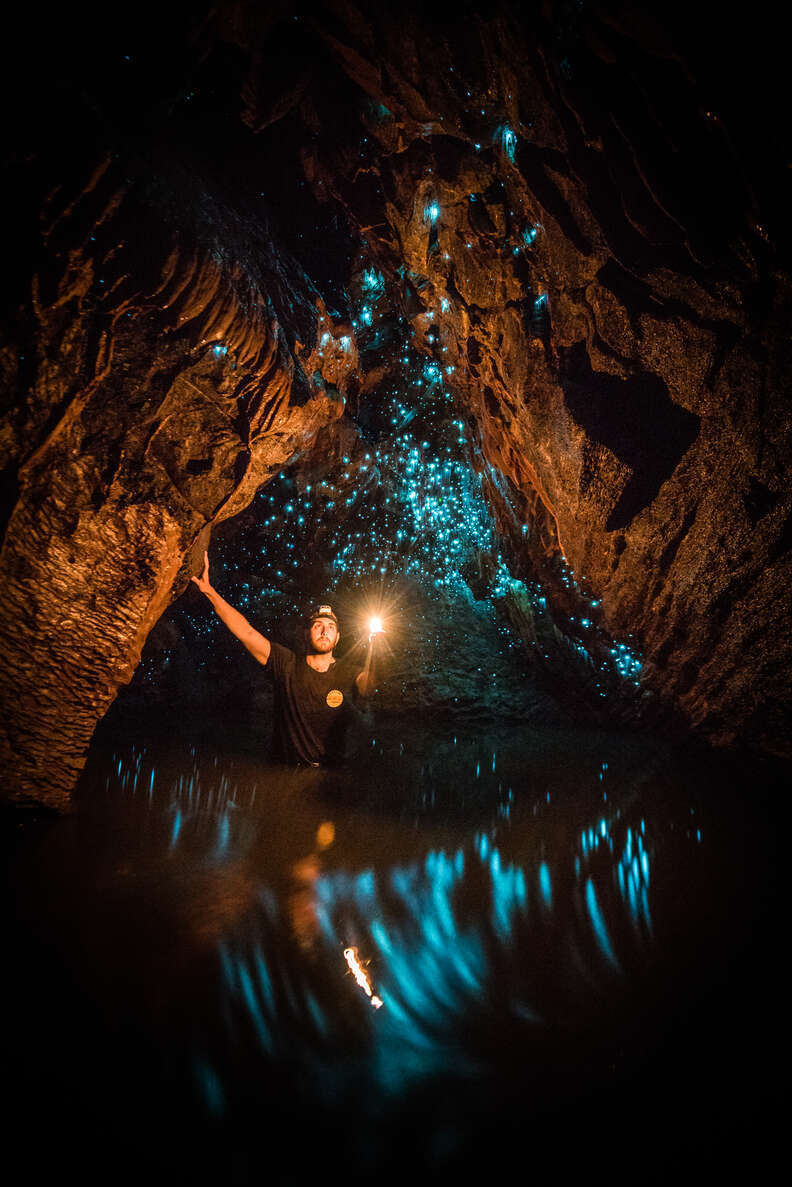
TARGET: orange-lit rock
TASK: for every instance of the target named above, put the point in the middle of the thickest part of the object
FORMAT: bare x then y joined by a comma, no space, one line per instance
156,410
604,274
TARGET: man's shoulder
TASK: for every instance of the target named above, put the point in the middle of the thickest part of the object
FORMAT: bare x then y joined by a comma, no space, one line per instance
281,657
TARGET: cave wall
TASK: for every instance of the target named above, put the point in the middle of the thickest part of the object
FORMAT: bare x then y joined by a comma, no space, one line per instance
581,239
569,225
164,388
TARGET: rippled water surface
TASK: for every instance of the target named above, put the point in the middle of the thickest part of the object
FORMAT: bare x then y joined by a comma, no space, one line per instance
464,949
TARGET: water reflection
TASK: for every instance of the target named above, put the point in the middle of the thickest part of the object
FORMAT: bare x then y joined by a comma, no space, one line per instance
449,930
483,909
440,929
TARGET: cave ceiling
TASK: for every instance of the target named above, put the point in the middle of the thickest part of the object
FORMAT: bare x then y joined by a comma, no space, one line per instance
489,299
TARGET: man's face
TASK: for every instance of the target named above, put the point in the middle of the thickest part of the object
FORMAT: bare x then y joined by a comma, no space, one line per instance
323,635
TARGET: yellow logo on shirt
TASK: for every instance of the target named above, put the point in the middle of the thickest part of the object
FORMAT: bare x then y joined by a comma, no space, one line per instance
334,698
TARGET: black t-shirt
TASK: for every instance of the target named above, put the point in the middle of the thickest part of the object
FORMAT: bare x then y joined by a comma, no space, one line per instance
312,709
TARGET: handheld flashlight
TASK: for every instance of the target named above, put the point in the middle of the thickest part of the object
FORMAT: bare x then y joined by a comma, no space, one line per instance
375,626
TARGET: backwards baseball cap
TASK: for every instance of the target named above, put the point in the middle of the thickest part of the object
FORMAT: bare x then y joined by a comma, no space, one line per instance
323,611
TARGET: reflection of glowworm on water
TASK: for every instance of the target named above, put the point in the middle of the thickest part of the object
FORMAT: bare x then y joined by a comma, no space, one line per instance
630,876
455,937
201,803
633,875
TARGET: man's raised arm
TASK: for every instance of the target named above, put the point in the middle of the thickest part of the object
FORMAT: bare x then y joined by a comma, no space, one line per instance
257,645
366,680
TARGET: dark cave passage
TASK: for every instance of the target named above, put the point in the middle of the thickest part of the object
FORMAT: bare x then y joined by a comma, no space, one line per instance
472,319
519,272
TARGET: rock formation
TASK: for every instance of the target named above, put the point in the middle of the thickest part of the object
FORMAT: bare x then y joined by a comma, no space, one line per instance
570,222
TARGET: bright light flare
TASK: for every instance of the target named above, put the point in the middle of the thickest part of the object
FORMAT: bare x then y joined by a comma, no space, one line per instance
375,626
361,976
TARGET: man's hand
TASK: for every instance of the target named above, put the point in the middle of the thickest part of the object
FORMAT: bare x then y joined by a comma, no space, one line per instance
256,643
366,680
203,582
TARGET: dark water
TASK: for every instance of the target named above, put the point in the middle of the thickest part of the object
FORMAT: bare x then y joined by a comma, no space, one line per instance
568,938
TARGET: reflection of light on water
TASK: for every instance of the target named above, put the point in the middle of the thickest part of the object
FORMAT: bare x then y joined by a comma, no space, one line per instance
361,976
631,871
177,823
633,876
545,884
598,923
442,928
325,834
435,958
524,924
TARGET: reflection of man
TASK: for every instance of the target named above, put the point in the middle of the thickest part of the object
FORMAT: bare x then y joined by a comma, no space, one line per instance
303,901
313,692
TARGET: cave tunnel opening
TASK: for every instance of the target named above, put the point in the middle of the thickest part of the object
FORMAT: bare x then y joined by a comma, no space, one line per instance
474,319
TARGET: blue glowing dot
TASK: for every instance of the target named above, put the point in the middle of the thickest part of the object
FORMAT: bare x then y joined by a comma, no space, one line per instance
508,141
373,282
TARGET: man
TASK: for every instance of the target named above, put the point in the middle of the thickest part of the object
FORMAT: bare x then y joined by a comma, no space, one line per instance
313,692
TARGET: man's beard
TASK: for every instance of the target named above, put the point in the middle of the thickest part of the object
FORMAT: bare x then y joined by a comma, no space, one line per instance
322,647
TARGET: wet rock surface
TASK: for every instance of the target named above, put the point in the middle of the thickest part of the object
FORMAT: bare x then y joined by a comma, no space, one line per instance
569,214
